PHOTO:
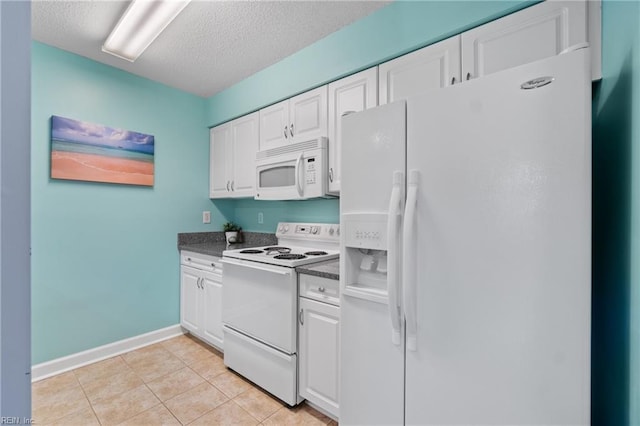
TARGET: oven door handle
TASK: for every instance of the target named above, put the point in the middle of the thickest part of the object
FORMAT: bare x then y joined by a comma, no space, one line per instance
299,182
287,271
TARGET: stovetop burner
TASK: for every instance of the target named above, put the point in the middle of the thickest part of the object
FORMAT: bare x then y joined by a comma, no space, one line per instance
289,256
277,249
316,253
252,251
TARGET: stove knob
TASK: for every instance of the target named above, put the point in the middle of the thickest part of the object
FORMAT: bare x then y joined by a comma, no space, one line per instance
286,228
331,231
314,230
281,229
338,230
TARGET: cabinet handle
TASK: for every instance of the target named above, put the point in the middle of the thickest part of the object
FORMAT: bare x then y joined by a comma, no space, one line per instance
468,76
301,317
189,259
285,132
227,186
198,282
321,289
330,174
291,129
232,186
453,81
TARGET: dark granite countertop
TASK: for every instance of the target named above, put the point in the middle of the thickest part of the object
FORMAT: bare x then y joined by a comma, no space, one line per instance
214,243
328,269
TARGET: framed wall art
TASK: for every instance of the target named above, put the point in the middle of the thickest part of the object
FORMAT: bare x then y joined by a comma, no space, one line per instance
96,153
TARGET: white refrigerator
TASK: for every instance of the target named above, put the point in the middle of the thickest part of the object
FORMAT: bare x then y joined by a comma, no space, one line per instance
466,252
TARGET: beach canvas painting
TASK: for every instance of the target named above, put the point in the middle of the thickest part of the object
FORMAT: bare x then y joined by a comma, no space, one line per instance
97,153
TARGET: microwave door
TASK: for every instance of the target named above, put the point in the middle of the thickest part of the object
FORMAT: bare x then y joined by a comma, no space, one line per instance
279,179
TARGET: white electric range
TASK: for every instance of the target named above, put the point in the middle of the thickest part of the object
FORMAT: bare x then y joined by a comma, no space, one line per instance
260,293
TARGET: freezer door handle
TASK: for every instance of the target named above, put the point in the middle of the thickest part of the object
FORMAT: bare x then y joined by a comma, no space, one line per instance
409,285
393,278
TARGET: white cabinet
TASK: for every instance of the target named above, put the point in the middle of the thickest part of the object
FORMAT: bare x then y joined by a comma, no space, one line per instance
534,33
350,94
297,119
201,297
319,342
431,67
537,32
233,147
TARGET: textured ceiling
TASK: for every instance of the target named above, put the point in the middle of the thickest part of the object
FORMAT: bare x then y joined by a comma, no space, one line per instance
210,46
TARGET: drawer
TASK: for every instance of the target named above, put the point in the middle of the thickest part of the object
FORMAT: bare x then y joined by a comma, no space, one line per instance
201,261
272,370
319,288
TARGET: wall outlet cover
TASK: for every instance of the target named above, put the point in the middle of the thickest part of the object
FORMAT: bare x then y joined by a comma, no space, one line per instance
206,217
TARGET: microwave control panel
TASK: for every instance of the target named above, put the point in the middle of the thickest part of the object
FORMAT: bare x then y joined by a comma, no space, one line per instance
310,171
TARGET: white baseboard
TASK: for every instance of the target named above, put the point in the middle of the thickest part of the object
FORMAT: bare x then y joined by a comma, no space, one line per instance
70,362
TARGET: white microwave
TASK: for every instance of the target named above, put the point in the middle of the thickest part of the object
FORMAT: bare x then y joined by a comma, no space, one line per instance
293,172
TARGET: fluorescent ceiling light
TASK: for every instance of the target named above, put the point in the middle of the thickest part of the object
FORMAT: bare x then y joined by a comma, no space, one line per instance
141,23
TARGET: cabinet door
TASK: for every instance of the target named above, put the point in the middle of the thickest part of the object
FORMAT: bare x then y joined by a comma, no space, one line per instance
308,115
212,312
431,67
319,353
274,125
219,145
351,94
245,140
537,32
189,299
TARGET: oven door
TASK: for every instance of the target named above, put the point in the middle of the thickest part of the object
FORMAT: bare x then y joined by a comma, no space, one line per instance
260,301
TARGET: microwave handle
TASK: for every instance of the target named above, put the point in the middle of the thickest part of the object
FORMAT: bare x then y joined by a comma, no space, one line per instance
299,183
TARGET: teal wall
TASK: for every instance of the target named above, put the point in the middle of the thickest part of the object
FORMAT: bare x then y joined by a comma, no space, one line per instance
320,211
104,259
389,32
616,220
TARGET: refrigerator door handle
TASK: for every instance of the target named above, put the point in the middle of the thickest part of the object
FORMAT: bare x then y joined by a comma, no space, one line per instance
393,255
409,285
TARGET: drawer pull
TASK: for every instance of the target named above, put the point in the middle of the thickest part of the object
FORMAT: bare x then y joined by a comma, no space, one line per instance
301,317
321,289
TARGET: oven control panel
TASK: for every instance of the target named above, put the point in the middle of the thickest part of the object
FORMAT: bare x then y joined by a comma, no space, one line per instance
309,231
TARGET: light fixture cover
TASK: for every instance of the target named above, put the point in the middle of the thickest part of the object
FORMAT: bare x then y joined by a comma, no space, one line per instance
139,26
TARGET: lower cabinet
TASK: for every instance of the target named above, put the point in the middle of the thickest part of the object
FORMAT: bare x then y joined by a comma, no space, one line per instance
201,297
319,340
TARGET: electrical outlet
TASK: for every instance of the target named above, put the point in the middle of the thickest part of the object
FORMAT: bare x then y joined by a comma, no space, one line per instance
260,217
206,217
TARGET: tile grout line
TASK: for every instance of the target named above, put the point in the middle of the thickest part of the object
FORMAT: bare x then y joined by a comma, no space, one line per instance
86,396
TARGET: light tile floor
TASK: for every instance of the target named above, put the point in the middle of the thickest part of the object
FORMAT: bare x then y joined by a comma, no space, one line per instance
178,381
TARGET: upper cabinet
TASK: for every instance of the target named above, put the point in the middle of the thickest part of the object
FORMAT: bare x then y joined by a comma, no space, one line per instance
233,147
432,67
300,118
537,32
350,94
